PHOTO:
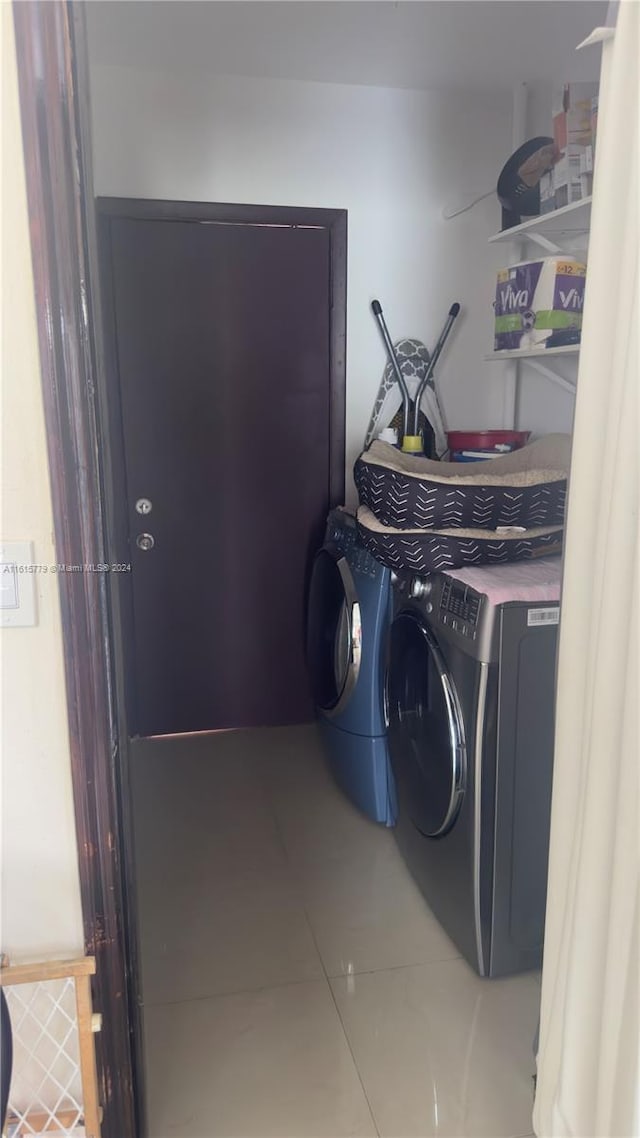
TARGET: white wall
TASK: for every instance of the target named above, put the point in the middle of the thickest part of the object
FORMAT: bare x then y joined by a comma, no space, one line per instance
392,158
40,896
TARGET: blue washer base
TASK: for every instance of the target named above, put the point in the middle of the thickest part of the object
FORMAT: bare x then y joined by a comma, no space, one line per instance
360,765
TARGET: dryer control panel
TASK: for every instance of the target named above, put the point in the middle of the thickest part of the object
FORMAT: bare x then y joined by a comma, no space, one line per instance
343,535
460,607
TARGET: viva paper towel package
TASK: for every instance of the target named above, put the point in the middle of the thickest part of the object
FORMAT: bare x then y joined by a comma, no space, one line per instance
539,304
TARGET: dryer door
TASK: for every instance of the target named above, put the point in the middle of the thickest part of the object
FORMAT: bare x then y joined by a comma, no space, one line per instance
334,634
426,732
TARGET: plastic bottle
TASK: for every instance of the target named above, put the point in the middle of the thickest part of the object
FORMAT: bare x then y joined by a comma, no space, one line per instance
412,444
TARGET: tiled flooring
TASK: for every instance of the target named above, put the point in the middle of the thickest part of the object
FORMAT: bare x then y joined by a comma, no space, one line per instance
295,983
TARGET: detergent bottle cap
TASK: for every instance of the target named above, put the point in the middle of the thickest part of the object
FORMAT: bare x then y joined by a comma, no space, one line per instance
389,435
412,444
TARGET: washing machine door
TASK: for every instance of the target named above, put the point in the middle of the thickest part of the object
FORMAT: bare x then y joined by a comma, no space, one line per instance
334,633
426,730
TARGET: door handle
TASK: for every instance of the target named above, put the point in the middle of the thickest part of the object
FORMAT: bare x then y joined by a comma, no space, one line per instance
145,541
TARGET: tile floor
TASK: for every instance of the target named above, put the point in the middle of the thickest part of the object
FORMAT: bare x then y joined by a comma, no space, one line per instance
295,985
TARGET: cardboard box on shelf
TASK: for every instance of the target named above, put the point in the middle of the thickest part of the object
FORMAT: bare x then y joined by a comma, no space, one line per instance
586,184
547,193
572,114
567,172
594,120
586,171
565,96
586,160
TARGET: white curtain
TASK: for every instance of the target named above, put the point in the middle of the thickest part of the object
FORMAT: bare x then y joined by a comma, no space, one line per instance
588,1061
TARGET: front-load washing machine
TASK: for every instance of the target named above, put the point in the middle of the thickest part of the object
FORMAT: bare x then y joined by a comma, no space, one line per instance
470,699
348,615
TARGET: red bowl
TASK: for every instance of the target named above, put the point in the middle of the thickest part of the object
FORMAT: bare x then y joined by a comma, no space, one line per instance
486,440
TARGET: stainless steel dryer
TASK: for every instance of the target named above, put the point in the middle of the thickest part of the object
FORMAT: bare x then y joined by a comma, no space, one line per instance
470,703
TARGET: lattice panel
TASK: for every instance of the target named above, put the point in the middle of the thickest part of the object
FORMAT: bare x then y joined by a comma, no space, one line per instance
46,1086
53,1085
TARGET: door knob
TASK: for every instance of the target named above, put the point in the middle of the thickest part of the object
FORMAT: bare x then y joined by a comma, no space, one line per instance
420,587
145,541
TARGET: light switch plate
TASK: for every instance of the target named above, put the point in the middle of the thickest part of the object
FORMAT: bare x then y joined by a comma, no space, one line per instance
17,585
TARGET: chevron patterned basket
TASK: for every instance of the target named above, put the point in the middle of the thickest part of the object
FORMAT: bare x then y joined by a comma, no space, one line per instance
525,488
426,516
424,551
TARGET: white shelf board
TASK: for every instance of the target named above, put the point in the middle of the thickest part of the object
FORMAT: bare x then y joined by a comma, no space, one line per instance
574,218
532,353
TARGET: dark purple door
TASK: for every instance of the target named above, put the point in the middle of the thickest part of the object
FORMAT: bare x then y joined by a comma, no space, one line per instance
222,354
